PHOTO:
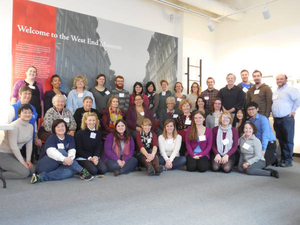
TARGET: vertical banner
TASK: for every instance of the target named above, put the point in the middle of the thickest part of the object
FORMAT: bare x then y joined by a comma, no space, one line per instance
33,40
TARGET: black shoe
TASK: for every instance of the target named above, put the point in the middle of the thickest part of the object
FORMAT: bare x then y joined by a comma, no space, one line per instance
159,170
285,164
118,172
85,175
151,171
274,173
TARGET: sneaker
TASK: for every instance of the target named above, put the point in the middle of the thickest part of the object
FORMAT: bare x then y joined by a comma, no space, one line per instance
35,178
85,175
151,171
159,170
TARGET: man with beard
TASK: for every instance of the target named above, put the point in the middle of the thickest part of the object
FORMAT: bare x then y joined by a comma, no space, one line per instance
209,94
245,84
121,93
261,94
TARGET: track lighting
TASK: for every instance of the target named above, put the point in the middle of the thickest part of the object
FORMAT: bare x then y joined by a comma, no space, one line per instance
266,13
210,26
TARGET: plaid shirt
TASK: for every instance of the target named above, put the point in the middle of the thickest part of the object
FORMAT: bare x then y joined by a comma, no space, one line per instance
211,95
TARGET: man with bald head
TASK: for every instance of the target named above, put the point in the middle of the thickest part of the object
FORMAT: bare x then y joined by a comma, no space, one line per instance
286,101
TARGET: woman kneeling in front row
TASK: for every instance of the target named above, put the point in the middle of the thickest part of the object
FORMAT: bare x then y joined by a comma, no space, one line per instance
56,161
119,149
252,161
169,145
147,144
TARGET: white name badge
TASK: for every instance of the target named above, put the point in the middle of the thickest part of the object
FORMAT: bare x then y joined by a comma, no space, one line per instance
175,116
107,92
246,146
93,135
163,93
188,121
170,141
256,92
179,99
80,95
206,97
274,97
31,87
202,138
245,89
142,113
60,146
29,138
225,141
67,120
121,95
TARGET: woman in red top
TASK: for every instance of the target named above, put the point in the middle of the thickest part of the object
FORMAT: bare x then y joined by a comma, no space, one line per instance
138,90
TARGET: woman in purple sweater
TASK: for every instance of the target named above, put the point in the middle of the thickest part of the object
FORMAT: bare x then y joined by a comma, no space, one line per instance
119,149
198,144
225,143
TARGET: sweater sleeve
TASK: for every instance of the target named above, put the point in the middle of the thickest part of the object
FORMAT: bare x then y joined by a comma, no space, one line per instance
188,143
241,99
176,148
79,139
269,102
146,100
130,119
162,149
108,147
48,120
11,114
154,140
257,152
13,143
138,140
70,101
235,136
97,148
131,100
105,121
156,103
73,124
214,140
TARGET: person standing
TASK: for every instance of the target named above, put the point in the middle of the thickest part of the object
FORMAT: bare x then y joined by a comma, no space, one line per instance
121,93
245,85
163,95
286,101
209,94
261,94
231,95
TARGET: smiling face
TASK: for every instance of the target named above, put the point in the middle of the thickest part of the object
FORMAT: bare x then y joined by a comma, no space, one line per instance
87,104
138,100
257,77
230,80
101,81
150,88
138,89
31,73
170,106
195,88
79,83
210,84
121,128
119,83
178,87
91,122
25,115
281,80
199,119
217,105
25,97
170,128
164,86
186,108
225,121
245,76
60,129
146,128
114,103
59,104
248,130
252,111
56,82
200,103
240,114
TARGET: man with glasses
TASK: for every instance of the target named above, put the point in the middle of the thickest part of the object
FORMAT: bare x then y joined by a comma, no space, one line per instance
121,93
209,94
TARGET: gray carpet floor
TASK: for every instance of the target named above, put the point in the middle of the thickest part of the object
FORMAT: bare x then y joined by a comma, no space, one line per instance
175,197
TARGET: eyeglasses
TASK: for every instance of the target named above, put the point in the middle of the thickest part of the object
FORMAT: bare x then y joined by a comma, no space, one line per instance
139,99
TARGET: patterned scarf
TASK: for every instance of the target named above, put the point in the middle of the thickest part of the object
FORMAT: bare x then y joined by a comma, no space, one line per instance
116,147
114,116
146,140
219,140
151,99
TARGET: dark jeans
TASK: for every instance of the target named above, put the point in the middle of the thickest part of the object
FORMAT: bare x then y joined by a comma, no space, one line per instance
127,168
196,164
92,168
285,129
49,169
177,162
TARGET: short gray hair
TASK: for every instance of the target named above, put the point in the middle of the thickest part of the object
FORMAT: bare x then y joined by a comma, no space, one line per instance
171,99
57,97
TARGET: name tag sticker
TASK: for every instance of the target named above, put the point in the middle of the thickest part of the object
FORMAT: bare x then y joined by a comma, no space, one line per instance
170,141
80,95
188,121
29,138
225,141
274,97
93,135
60,146
163,93
245,89
31,87
206,97
179,99
121,95
142,113
67,120
202,138
107,92
256,92
175,116
246,146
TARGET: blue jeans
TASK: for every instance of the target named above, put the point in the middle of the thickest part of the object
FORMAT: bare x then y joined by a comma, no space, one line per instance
49,169
285,129
127,168
177,162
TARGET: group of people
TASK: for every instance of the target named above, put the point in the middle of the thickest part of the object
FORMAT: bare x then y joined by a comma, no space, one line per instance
93,132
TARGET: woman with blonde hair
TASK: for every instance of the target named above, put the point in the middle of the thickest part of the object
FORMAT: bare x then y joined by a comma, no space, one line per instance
89,145
195,93
75,96
225,143
169,145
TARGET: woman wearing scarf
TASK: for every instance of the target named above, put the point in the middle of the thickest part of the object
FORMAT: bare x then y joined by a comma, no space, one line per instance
89,145
147,144
110,115
119,149
153,97
225,143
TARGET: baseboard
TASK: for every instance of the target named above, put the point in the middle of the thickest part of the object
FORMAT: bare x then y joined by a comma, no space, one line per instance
296,154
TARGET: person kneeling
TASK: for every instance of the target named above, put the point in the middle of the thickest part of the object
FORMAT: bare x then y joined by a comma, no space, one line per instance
147,144
56,161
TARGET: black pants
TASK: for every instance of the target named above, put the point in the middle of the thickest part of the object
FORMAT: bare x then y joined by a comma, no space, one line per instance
92,168
196,164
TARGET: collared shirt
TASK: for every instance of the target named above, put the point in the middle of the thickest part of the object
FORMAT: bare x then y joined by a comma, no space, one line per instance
285,100
264,130
209,96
